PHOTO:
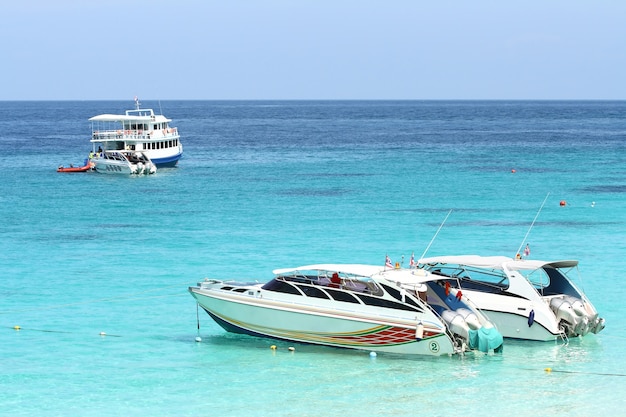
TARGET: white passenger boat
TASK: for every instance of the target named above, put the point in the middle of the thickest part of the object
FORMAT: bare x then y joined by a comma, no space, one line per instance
138,130
350,306
526,299
123,162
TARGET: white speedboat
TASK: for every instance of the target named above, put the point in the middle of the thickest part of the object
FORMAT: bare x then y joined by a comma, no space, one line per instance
350,306
525,299
138,130
123,162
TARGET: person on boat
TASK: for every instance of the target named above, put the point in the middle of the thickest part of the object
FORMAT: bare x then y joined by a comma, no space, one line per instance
335,281
91,155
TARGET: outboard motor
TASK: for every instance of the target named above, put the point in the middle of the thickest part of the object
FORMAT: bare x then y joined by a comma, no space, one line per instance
470,318
597,325
456,323
571,312
564,312
465,324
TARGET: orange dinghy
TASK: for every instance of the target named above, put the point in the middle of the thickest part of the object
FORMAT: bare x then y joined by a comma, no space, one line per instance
71,168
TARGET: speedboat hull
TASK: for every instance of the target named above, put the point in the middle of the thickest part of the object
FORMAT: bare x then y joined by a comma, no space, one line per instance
368,312
113,167
322,326
525,299
123,162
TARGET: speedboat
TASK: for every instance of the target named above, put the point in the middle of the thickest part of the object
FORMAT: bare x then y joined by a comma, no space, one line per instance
123,162
353,306
138,130
525,299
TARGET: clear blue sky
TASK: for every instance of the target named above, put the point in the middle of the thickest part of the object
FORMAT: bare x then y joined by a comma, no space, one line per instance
312,49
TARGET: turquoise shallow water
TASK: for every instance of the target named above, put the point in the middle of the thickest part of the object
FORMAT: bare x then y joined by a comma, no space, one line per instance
265,185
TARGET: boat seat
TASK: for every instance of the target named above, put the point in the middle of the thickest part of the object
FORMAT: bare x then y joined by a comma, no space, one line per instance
324,281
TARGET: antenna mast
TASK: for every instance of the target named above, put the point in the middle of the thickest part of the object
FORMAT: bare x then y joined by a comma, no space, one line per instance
434,237
532,224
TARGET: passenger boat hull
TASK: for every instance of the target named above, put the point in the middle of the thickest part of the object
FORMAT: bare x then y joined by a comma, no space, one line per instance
167,161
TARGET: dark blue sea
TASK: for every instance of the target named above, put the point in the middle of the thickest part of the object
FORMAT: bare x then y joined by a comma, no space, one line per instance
94,269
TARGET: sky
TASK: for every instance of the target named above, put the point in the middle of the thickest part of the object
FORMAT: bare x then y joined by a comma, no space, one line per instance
312,49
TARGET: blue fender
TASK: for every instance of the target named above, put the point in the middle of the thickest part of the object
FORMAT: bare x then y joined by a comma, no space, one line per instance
531,318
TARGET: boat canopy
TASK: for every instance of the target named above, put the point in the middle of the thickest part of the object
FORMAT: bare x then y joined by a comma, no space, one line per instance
401,275
129,118
352,269
497,262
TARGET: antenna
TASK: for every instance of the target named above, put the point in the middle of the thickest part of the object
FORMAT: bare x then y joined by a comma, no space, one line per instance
532,224
433,239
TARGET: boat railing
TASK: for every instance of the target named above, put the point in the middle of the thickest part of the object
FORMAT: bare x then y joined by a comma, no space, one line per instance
104,135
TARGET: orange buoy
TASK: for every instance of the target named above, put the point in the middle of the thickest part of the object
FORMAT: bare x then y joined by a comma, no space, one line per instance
562,203
513,171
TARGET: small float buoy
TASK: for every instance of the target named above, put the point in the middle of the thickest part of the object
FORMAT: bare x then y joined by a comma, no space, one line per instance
103,334
273,347
291,348
198,339
562,203
419,331
17,327
548,370
372,354
513,171
593,204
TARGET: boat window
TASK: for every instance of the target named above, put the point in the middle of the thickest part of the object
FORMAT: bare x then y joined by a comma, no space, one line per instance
551,281
381,302
310,291
342,296
393,292
471,277
281,286
538,278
